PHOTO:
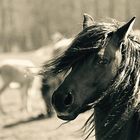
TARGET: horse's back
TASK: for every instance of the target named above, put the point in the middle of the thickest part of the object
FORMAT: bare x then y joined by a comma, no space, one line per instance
18,62
16,71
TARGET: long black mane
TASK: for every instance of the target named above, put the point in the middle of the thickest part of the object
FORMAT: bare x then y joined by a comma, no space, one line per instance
87,41
124,90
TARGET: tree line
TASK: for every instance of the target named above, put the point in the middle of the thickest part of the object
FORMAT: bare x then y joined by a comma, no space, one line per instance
29,24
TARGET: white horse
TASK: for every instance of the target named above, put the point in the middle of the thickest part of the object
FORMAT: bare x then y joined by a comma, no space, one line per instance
15,72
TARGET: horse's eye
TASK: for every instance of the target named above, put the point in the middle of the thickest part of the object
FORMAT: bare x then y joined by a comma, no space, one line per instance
103,61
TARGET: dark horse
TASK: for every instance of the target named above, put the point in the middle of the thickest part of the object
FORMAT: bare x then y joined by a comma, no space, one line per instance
103,65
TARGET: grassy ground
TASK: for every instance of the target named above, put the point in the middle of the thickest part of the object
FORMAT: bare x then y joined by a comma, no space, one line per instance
45,129
23,129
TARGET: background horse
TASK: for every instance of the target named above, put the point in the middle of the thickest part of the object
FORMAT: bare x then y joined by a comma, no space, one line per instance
19,72
103,63
49,83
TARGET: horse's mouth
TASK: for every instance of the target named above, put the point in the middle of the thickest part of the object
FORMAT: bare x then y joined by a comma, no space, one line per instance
73,115
68,117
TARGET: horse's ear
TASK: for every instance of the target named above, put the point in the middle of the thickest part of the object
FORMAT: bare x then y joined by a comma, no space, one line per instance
88,21
123,31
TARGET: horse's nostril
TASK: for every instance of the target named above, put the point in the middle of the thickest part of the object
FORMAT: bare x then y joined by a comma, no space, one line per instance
68,100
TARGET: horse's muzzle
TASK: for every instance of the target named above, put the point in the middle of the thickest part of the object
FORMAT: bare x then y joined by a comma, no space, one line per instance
62,102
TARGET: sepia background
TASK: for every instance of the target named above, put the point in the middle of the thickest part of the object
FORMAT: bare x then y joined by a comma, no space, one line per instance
28,24
31,29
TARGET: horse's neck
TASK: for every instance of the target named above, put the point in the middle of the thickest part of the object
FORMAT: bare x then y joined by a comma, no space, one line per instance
125,133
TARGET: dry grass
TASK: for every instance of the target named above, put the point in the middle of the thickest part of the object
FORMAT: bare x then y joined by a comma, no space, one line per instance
46,129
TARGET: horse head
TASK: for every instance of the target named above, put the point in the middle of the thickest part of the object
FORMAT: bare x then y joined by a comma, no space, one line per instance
93,59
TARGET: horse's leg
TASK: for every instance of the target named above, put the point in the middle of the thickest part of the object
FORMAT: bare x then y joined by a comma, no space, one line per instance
1,91
24,96
48,105
46,94
28,102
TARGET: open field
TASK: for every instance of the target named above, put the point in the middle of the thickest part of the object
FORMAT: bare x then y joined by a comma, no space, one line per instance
45,129
22,128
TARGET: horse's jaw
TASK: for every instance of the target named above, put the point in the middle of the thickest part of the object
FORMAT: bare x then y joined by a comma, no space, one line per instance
73,115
